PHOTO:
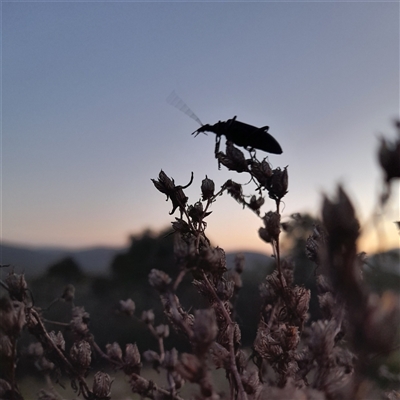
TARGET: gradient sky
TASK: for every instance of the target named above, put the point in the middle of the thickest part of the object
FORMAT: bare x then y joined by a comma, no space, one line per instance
86,125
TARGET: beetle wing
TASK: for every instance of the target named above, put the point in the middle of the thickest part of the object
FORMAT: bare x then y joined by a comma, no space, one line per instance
246,135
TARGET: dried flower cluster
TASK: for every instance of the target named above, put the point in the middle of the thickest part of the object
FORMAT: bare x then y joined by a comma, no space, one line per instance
292,357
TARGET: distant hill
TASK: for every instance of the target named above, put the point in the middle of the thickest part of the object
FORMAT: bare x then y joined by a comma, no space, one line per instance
35,260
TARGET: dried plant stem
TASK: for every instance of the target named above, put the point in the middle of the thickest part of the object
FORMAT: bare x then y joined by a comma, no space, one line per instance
40,328
232,357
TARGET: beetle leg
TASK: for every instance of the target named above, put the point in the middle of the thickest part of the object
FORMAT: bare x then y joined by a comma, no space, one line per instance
217,142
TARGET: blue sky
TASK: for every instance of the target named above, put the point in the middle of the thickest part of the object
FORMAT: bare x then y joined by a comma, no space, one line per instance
86,125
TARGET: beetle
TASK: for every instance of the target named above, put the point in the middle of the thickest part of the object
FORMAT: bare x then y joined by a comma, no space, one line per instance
248,136
244,135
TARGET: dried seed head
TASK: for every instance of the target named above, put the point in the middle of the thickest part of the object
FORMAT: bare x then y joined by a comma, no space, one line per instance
196,212
162,331
180,226
16,286
102,385
235,190
207,189
167,186
278,184
81,354
256,203
205,329
12,316
35,350
164,184
132,358
114,351
68,293
272,227
171,359
148,317
261,171
57,339
79,322
190,368
213,259
251,381
236,160
127,307
159,280
225,289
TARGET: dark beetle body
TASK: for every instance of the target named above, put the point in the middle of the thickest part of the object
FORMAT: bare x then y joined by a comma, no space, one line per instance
245,135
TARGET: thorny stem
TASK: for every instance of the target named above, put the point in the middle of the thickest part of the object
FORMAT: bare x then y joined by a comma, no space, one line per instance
232,357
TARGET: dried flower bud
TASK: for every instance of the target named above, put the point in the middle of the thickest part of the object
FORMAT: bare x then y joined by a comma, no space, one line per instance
196,212
164,184
213,259
207,188
16,286
162,331
225,289
102,385
57,339
234,160
81,354
12,316
68,293
180,226
278,184
190,367
35,350
235,190
175,193
79,322
159,280
114,351
205,329
148,317
272,227
256,203
127,307
251,381
261,171
132,358
152,357
171,359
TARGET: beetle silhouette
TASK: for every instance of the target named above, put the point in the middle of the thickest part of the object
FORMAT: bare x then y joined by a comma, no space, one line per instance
248,136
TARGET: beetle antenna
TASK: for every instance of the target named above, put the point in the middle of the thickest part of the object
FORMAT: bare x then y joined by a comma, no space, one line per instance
177,102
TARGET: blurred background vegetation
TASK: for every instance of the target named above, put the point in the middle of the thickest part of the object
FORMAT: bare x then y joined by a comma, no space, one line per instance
127,278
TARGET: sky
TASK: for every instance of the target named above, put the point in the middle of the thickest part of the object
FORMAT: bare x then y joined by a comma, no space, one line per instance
86,124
